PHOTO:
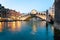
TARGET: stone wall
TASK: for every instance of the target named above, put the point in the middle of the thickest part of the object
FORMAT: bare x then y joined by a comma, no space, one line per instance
57,11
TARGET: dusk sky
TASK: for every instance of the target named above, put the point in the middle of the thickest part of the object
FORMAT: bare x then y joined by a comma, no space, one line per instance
25,6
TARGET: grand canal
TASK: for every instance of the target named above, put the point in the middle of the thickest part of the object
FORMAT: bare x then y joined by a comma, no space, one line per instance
26,30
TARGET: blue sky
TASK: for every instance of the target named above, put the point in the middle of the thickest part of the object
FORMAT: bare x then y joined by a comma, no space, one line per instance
25,6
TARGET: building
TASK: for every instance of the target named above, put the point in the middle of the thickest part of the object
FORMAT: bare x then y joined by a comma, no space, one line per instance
51,11
33,11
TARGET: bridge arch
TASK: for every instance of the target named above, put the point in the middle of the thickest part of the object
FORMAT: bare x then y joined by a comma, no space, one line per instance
34,16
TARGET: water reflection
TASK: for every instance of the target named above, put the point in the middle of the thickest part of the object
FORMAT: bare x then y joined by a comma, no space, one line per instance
11,26
34,27
14,26
42,23
18,25
1,26
26,30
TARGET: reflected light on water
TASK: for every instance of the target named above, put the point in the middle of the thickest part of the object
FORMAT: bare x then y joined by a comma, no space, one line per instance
14,26
32,30
0,27
52,28
42,23
34,27
18,25
11,26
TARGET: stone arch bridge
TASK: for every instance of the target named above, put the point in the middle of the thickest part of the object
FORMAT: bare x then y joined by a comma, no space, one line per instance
29,16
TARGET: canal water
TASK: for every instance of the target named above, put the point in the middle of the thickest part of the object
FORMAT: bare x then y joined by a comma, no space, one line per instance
26,30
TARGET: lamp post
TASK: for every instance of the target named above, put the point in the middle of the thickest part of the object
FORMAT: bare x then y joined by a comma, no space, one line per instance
46,15
46,18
